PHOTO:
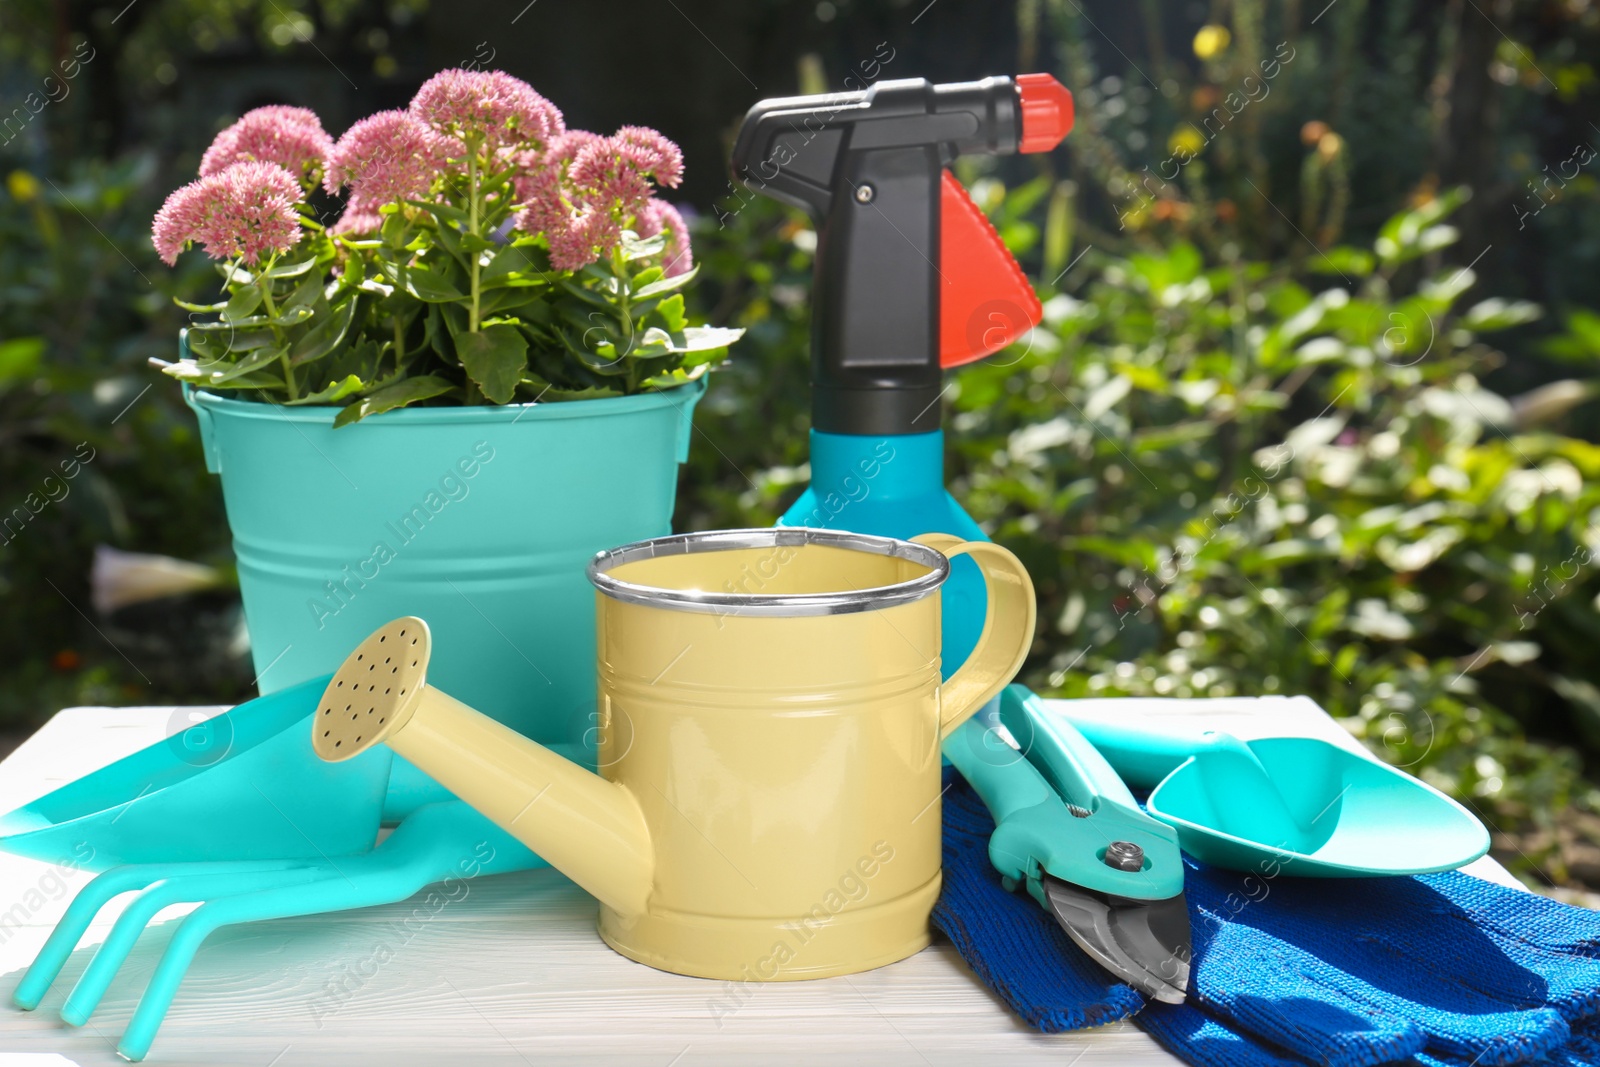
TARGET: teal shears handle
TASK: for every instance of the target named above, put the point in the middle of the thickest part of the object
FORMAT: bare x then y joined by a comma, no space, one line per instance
1141,755
1057,805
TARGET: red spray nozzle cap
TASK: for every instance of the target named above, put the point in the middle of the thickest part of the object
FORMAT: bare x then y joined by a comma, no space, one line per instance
1046,112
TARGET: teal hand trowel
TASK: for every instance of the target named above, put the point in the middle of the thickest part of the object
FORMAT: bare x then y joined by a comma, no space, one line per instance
1068,830
1292,805
244,785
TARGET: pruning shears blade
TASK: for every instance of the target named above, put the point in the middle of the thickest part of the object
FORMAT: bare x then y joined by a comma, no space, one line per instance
1144,942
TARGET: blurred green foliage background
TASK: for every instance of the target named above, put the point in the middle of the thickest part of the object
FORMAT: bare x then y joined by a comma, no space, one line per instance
1312,409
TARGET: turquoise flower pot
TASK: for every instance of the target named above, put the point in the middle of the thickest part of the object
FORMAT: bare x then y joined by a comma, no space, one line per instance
478,519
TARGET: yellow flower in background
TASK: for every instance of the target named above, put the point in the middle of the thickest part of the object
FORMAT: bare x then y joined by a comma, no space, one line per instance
1186,139
1329,146
1212,40
22,186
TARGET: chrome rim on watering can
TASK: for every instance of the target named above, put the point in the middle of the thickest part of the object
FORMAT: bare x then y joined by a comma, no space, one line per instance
736,601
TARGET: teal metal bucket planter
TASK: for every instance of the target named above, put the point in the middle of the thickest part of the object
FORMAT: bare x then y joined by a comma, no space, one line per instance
479,519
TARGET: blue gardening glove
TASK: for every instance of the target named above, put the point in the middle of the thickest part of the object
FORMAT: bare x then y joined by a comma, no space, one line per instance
1013,945
1443,970
1359,971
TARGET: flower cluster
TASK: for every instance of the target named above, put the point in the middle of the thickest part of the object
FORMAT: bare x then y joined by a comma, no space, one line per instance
433,285
659,216
586,189
578,190
383,159
489,106
291,137
248,210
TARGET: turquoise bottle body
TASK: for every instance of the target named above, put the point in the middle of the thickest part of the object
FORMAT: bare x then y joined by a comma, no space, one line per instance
893,486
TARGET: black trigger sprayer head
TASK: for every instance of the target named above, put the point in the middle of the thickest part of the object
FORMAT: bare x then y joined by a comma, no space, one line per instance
906,263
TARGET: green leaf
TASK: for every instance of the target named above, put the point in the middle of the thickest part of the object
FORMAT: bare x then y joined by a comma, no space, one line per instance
651,343
212,308
1022,199
307,294
505,266
396,231
424,284
1581,342
670,312
589,296
1161,438
666,285
442,211
673,378
257,360
292,317
1106,396
186,370
602,359
1497,314
291,270
336,391
705,338
1357,262
449,239
1414,233
326,335
514,300
242,304
226,341
19,358
496,357
540,390
398,395
634,248
221,326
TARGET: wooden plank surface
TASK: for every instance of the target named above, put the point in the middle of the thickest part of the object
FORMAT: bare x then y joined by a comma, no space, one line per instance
511,973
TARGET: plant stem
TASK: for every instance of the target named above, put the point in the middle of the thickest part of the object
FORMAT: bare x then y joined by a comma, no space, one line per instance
472,225
619,267
265,284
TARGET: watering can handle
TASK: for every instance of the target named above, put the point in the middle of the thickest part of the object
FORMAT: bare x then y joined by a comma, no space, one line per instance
1008,622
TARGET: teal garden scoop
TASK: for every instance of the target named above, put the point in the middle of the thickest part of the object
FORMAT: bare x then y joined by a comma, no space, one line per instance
1292,805
242,786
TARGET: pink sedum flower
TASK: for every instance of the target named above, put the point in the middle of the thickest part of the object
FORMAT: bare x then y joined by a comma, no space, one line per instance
600,173
658,215
247,210
358,220
291,137
581,239
490,104
385,158
538,181
585,188
650,153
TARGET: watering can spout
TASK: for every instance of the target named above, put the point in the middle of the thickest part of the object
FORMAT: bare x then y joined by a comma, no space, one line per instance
590,829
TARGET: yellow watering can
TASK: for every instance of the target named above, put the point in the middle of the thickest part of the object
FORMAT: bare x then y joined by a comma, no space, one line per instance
771,712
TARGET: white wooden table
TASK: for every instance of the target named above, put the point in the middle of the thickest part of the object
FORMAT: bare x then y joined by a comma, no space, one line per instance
512,974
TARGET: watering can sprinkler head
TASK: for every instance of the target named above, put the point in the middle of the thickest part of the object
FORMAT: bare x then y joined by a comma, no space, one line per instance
910,276
585,826
354,715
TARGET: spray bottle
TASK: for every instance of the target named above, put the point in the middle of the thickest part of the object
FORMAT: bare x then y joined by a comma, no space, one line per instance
911,279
